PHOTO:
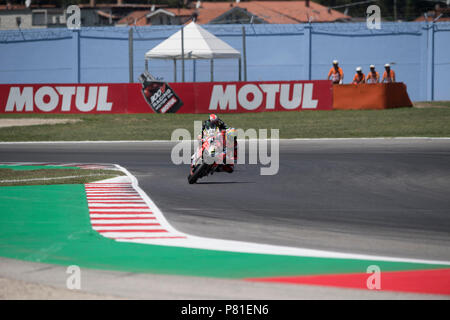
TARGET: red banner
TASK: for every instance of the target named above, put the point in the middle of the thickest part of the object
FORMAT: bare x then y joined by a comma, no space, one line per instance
160,97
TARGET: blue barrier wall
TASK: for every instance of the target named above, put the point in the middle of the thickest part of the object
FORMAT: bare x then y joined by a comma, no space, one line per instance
419,54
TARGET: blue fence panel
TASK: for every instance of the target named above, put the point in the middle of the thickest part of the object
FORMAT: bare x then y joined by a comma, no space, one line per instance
442,62
104,55
419,53
37,56
358,46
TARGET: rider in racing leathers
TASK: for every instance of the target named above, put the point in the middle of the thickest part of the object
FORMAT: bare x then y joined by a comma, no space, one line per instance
215,122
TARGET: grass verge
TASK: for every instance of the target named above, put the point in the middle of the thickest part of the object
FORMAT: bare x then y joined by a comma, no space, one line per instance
10,177
430,121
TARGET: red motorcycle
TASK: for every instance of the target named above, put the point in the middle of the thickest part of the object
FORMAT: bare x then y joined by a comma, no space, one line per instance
211,156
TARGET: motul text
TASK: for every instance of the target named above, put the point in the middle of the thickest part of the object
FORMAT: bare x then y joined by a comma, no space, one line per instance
58,98
269,96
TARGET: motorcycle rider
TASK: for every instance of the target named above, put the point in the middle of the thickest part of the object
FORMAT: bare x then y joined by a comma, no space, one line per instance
215,122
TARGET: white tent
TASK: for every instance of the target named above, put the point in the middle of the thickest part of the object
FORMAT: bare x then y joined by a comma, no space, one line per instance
193,42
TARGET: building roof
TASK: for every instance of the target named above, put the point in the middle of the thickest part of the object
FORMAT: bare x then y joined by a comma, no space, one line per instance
135,18
278,12
442,13
139,17
11,7
282,12
120,5
180,12
429,19
107,15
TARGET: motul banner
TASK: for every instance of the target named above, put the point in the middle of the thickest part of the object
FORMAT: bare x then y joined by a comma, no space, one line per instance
161,97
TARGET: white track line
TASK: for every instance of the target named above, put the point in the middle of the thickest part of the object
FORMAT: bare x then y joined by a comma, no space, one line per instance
165,141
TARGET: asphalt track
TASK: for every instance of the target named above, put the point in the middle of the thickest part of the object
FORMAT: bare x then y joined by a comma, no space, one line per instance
387,197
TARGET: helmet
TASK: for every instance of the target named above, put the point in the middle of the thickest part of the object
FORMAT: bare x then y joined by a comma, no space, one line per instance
335,62
372,66
387,65
358,69
213,118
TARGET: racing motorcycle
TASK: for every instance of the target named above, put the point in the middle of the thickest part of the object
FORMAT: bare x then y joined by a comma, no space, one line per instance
211,156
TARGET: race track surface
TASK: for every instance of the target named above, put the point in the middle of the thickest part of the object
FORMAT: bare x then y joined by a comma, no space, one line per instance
387,197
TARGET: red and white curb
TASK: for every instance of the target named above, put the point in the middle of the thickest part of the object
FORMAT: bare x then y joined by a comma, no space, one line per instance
119,212
119,209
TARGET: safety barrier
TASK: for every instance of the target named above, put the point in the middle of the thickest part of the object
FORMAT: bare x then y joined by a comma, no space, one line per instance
418,52
370,96
199,97
161,97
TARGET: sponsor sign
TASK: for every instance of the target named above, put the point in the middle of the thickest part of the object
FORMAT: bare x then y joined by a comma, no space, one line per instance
161,97
63,98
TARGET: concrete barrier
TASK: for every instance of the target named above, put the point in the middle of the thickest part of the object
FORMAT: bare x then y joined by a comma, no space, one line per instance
370,96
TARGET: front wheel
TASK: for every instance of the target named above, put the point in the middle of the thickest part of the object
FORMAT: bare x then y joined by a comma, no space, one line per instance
197,173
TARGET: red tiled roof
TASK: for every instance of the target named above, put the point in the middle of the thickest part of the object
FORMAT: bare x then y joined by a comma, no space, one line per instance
282,12
273,11
211,10
135,17
180,12
106,14
443,13
123,5
441,19
23,7
139,17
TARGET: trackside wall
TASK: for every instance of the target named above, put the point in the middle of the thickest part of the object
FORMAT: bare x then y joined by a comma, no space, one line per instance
417,51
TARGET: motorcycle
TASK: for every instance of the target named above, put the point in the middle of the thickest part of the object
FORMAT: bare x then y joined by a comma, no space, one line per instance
211,156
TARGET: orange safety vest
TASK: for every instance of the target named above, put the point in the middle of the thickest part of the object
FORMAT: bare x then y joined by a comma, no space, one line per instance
336,75
357,79
371,78
389,77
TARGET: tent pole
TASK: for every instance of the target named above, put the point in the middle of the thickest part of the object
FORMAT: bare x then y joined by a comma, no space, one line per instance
194,62
182,54
174,70
240,70
146,65
244,52
212,70
130,55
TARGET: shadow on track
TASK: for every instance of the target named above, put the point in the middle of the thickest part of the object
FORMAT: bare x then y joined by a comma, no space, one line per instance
224,182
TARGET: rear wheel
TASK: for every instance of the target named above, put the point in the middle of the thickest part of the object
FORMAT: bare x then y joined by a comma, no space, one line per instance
198,171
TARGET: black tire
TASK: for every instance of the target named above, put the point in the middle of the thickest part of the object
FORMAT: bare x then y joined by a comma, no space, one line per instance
198,171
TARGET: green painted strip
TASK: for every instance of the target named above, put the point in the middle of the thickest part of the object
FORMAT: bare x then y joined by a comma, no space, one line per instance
30,167
50,224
